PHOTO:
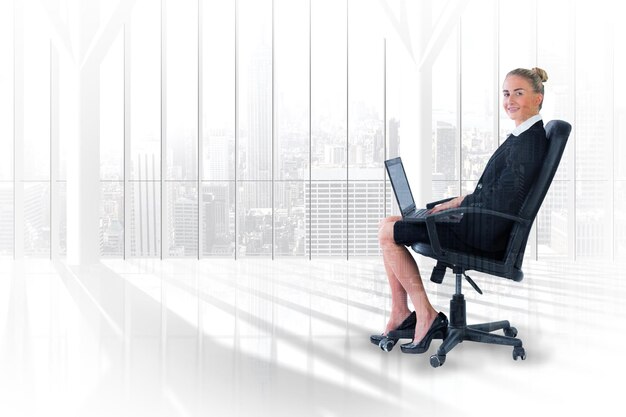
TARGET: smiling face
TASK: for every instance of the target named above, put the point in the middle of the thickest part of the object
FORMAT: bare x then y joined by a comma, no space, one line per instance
519,100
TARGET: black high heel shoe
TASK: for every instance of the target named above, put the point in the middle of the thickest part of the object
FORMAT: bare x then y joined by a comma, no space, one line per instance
405,330
438,330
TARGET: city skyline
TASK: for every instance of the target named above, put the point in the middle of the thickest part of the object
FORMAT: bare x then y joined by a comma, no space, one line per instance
266,125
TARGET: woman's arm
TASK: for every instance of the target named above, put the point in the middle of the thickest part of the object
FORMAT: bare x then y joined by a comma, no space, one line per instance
454,203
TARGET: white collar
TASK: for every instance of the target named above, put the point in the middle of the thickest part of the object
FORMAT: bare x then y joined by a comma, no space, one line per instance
526,125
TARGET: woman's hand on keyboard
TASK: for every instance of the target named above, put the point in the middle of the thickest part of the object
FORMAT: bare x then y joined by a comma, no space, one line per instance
454,203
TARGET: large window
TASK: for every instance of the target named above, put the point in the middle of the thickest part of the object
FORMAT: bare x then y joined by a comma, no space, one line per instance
259,128
225,128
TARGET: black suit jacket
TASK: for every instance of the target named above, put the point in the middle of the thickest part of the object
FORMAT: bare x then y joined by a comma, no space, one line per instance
503,186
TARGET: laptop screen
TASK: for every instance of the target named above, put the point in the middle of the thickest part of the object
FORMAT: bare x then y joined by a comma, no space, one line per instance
400,185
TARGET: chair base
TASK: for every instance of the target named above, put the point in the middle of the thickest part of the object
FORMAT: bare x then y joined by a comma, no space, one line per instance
459,331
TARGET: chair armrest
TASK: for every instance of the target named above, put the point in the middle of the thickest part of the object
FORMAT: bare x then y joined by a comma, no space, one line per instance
431,219
477,210
436,203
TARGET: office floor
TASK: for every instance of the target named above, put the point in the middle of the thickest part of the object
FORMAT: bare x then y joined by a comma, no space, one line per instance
290,337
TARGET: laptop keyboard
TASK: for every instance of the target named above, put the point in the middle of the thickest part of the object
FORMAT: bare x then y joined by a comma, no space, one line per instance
419,213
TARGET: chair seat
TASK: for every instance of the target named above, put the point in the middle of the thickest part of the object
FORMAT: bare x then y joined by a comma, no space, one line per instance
482,262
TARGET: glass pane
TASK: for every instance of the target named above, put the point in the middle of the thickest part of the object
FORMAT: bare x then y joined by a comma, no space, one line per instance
366,91
553,220
181,78
145,90
594,234
182,219
289,218
291,75
446,143
112,219
6,94
218,218
218,90
66,93
365,210
144,224
366,145
254,218
594,95
6,220
328,86
619,118
555,53
620,219
36,219
478,93
36,82
255,90
393,97
328,218
112,112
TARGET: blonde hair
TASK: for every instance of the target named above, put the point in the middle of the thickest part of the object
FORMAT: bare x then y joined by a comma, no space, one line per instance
535,76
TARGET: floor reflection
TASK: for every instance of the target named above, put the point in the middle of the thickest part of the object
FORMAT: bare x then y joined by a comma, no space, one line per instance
284,337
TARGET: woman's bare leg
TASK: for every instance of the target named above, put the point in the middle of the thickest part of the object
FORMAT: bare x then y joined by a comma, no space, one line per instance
402,269
399,302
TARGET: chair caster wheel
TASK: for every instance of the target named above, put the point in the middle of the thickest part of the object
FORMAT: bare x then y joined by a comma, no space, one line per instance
387,344
510,332
519,352
437,360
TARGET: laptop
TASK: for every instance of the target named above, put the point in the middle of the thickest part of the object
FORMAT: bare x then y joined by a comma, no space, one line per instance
404,197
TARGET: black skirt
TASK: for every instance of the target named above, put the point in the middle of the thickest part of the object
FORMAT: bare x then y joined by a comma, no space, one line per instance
408,233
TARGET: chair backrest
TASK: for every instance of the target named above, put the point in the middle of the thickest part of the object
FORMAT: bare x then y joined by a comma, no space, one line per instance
557,132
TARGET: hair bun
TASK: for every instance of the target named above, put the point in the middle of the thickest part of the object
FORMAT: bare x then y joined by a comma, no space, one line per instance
541,73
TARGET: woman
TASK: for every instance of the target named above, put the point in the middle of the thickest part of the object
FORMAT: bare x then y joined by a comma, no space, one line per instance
507,177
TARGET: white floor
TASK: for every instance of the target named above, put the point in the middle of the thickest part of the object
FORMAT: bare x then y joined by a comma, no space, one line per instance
284,337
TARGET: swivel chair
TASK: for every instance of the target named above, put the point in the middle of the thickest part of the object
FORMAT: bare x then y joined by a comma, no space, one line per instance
509,266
